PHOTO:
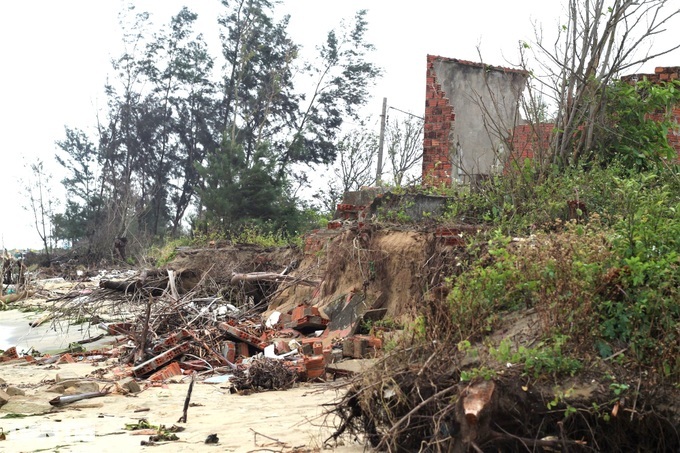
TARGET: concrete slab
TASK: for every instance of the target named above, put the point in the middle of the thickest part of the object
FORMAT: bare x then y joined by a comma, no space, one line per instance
351,366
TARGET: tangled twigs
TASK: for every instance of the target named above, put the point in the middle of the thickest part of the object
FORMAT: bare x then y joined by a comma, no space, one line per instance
141,345
265,374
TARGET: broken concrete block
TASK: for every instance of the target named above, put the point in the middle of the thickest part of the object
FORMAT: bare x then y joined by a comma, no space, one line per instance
24,406
360,348
82,387
66,376
2,381
327,354
15,391
130,385
348,347
56,388
4,398
336,355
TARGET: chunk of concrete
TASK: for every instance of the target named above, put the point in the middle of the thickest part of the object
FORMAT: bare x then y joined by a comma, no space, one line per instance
56,388
82,387
4,398
131,385
26,407
15,391
66,376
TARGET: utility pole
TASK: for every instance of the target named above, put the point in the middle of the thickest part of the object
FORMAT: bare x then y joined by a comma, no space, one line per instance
381,143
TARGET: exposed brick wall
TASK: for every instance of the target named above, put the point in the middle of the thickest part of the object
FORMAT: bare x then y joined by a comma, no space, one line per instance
674,135
529,140
444,120
439,118
526,140
663,74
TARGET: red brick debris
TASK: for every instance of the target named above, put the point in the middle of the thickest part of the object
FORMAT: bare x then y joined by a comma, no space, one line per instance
301,339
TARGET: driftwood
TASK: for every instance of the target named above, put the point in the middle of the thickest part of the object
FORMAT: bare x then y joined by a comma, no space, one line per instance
187,400
61,400
16,297
42,319
154,282
271,277
123,286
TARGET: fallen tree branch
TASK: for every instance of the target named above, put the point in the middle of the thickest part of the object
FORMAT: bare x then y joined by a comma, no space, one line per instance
270,277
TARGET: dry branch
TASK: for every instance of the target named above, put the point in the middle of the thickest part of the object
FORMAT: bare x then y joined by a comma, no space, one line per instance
270,277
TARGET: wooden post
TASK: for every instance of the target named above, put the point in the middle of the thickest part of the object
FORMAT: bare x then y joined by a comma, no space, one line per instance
381,143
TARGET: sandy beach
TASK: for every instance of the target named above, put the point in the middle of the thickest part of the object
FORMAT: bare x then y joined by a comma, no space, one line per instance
282,421
289,419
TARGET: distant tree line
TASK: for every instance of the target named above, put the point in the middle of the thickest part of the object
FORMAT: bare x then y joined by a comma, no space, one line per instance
226,138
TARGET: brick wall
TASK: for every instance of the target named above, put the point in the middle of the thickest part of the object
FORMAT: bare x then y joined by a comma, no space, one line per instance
529,141
663,74
674,135
439,118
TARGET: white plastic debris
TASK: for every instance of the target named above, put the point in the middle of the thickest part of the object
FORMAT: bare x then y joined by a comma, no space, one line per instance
273,319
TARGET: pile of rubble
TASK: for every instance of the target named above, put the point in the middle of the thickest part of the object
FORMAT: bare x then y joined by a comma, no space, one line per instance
299,339
165,334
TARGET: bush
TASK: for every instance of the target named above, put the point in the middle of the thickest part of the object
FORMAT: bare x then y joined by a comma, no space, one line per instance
609,285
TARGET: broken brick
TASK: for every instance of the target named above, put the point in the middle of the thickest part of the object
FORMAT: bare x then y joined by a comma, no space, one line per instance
160,360
242,335
242,350
229,351
167,372
315,366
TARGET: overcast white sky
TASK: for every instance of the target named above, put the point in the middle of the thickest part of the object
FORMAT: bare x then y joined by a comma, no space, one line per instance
56,55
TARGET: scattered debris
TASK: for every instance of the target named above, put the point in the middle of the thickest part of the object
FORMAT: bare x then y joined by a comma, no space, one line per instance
63,400
212,439
265,374
156,433
183,418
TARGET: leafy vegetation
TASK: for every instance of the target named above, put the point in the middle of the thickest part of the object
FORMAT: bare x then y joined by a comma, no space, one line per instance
638,122
603,284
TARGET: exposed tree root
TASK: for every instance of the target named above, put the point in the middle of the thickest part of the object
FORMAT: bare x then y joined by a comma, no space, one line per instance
414,401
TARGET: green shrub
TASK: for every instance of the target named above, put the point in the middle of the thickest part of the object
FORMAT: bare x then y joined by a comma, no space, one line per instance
546,358
645,314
